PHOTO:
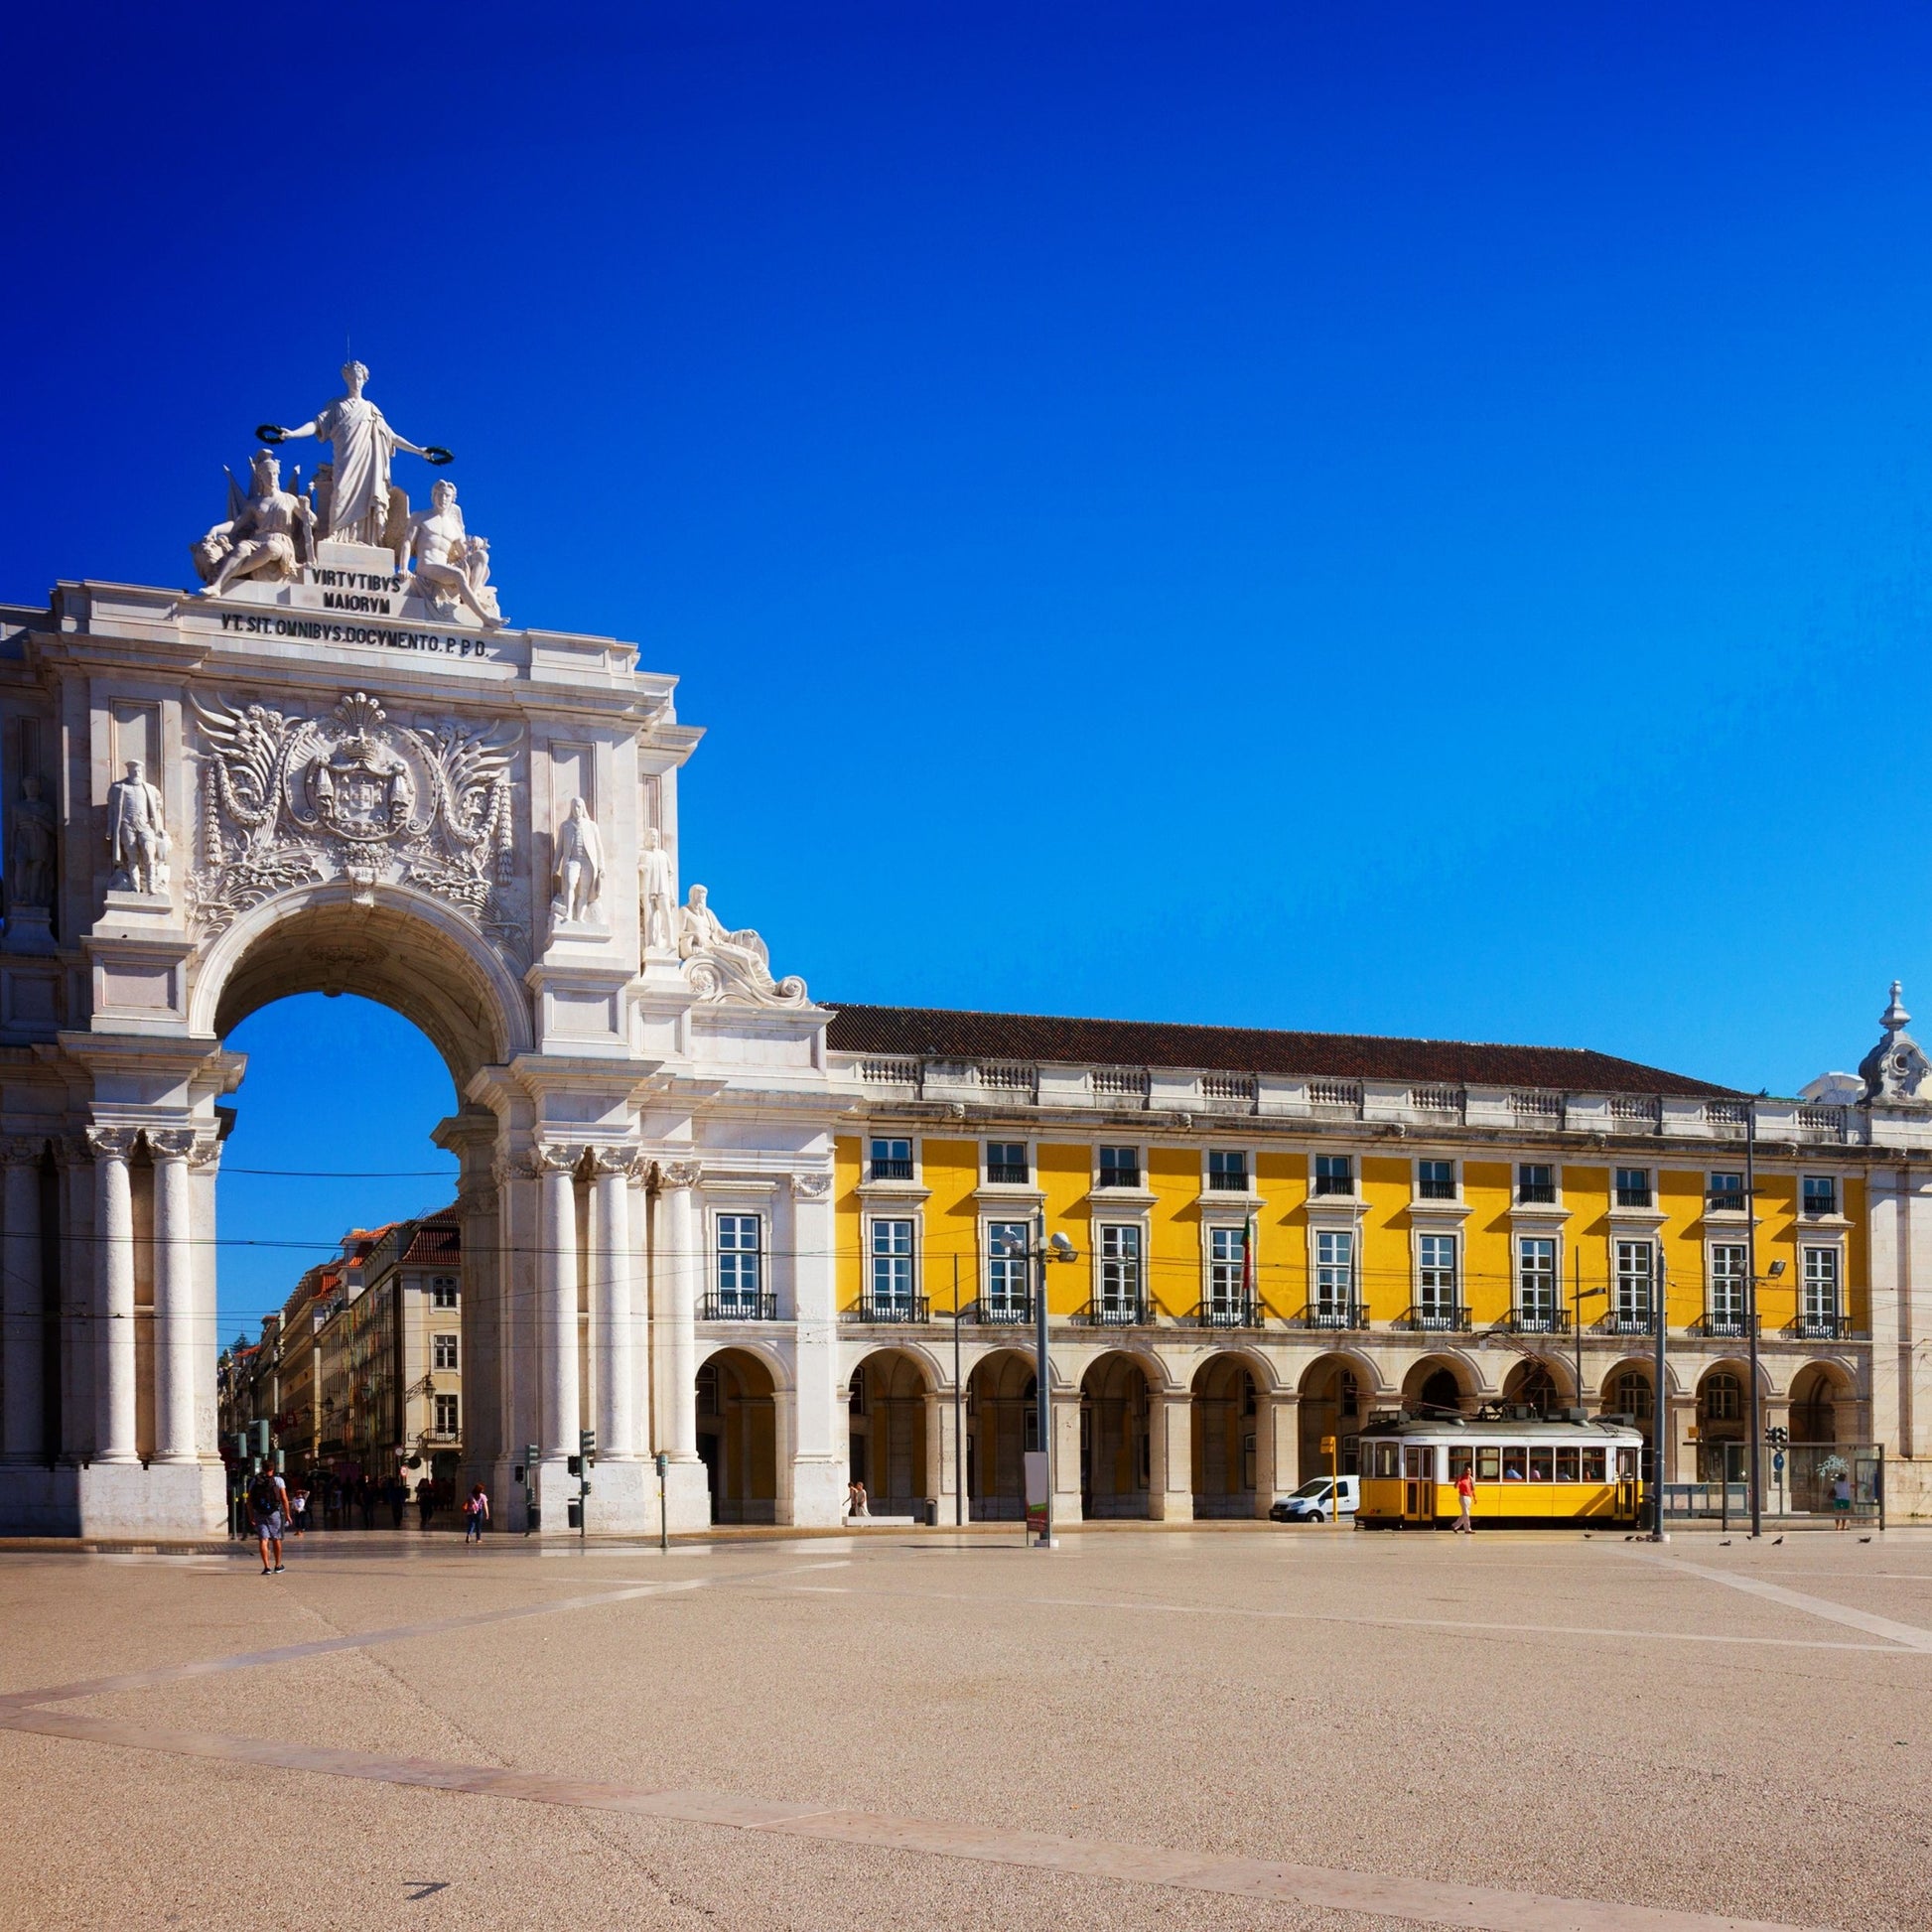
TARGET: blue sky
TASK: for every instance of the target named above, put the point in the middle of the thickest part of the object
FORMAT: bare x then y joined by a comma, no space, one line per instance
1378,518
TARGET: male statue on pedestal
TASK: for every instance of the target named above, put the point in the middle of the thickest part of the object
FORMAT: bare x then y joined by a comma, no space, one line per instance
30,856
361,445
657,894
579,876
136,834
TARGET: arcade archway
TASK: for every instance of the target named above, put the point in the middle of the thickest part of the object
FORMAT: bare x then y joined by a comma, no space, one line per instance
1115,1461
737,1437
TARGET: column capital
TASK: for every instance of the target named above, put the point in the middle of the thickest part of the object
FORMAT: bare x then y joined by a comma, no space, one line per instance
480,1199
555,1156
110,1142
811,1186
22,1150
679,1175
171,1143
607,1162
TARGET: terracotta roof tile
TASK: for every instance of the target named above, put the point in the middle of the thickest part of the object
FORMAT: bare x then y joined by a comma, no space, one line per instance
940,1033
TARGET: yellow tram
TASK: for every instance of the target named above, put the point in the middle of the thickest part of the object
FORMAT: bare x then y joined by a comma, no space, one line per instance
1531,1473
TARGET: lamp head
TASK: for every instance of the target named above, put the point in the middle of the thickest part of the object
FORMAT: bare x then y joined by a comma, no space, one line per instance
1062,1248
1775,1270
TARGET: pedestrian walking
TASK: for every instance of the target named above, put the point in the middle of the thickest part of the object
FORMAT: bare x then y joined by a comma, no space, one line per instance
856,1505
1841,1501
268,1503
398,1492
475,1511
299,1510
1466,1495
425,1502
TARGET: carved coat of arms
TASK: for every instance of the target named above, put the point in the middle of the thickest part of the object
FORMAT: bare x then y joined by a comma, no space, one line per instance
287,801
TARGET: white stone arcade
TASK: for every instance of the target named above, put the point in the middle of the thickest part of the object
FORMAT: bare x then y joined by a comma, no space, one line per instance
346,779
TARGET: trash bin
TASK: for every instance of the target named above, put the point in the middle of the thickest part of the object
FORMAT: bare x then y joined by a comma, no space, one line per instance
573,1515
932,1512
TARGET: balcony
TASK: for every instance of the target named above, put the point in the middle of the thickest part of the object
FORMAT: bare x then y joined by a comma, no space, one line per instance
1724,1323
1120,1177
1625,1321
1341,1314
1435,1317
1226,1181
1116,1312
1822,1327
1633,1198
892,1170
1818,1207
739,1304
1334,1184
900,1309
1537,1322
1004,1174
1724,1200
1228,1311
1536,1193
1005,1311
1428,1190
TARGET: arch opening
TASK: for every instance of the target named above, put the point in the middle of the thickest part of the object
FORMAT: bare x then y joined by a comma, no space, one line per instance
737,1437
1224,1416
1334,1404
1116,1445
1002,1424
890,1406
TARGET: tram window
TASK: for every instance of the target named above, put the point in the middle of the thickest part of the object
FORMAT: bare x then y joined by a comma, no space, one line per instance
1460,1463
1516,1464
1627,1465
1568,1470
1592,1464
1489,1464
1386,1459
1543,1465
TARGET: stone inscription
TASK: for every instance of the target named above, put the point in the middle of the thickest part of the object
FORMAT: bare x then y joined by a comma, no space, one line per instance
357,590
322,632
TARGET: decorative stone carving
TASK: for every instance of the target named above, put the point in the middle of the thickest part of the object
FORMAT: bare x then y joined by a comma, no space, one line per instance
269,532
724,965
577,879
171,1143
451,567
1896,1071
30,852
657,894
811,1186
679,1174
480,1199
136,834
109,1143
287,801
22,1150
613,1159
361,445
207,1153
554,1156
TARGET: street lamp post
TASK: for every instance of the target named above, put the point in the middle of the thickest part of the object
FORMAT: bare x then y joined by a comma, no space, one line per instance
1059,1249
1750,1320
1659,1413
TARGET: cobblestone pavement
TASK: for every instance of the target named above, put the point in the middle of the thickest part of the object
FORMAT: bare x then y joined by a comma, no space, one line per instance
1266,1727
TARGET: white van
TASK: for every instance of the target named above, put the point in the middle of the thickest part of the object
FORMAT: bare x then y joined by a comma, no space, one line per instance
1315,1502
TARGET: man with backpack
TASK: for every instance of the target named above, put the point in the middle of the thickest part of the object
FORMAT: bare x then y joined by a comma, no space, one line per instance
268,1503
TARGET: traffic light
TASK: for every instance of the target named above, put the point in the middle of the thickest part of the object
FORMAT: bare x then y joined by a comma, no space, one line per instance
1777,1435
574,1466
533,1462
586,1446
260,1431
239,1440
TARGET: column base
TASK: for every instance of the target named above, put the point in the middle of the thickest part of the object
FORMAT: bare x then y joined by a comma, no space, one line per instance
818,1493
167,1502
1172,1506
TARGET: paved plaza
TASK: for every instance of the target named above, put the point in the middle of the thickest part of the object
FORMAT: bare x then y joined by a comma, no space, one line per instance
1217,1729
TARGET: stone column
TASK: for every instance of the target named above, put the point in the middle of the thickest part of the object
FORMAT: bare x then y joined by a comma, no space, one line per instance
203,1166
1278,1446
114,1237
1170,1424
613,1304
24,1339
821,1443
683,1266
558,1275
175,1324
1065,1413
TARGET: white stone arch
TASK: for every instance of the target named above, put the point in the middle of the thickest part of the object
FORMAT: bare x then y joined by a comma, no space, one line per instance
1368,1371
773,1361
323,938
857,1353
1465,1364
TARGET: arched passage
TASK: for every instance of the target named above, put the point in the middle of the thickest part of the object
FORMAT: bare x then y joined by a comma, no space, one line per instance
1332,1404
1116,1459
1820,1398
1224,1424
890,1398
1001,1425
737,1437
1537,1385
1724,1416
1435,1386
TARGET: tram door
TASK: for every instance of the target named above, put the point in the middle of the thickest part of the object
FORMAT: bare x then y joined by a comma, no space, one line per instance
1419,1482
1626,1485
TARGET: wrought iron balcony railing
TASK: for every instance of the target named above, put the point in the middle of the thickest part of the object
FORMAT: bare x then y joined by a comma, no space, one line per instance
739,1304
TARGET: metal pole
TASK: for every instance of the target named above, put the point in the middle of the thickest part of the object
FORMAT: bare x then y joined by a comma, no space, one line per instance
1045,1392
1577,1315
958,1425
1659,1415
1751,1314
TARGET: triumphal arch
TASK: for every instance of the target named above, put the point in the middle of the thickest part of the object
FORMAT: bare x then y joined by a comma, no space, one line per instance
338,765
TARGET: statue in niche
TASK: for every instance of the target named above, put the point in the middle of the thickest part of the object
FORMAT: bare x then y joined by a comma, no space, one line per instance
269,533
30,855
136,833
363,445
451,567
725,962
657,894
578,874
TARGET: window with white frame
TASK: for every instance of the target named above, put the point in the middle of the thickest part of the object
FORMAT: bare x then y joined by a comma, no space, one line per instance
1007,1163
1536,1283
1005,1270
1227,1171
442,1290
1633,1187
1120,1268
739,1264
1120,1166
891,1266
442,1351
1435,1278
892,1160
1335,1273
1725,1192
1724,1313
1227,1267
1335,1173
448,1411
1820,1194
1635,1270
1536,1183
1436,1179
1821,1308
